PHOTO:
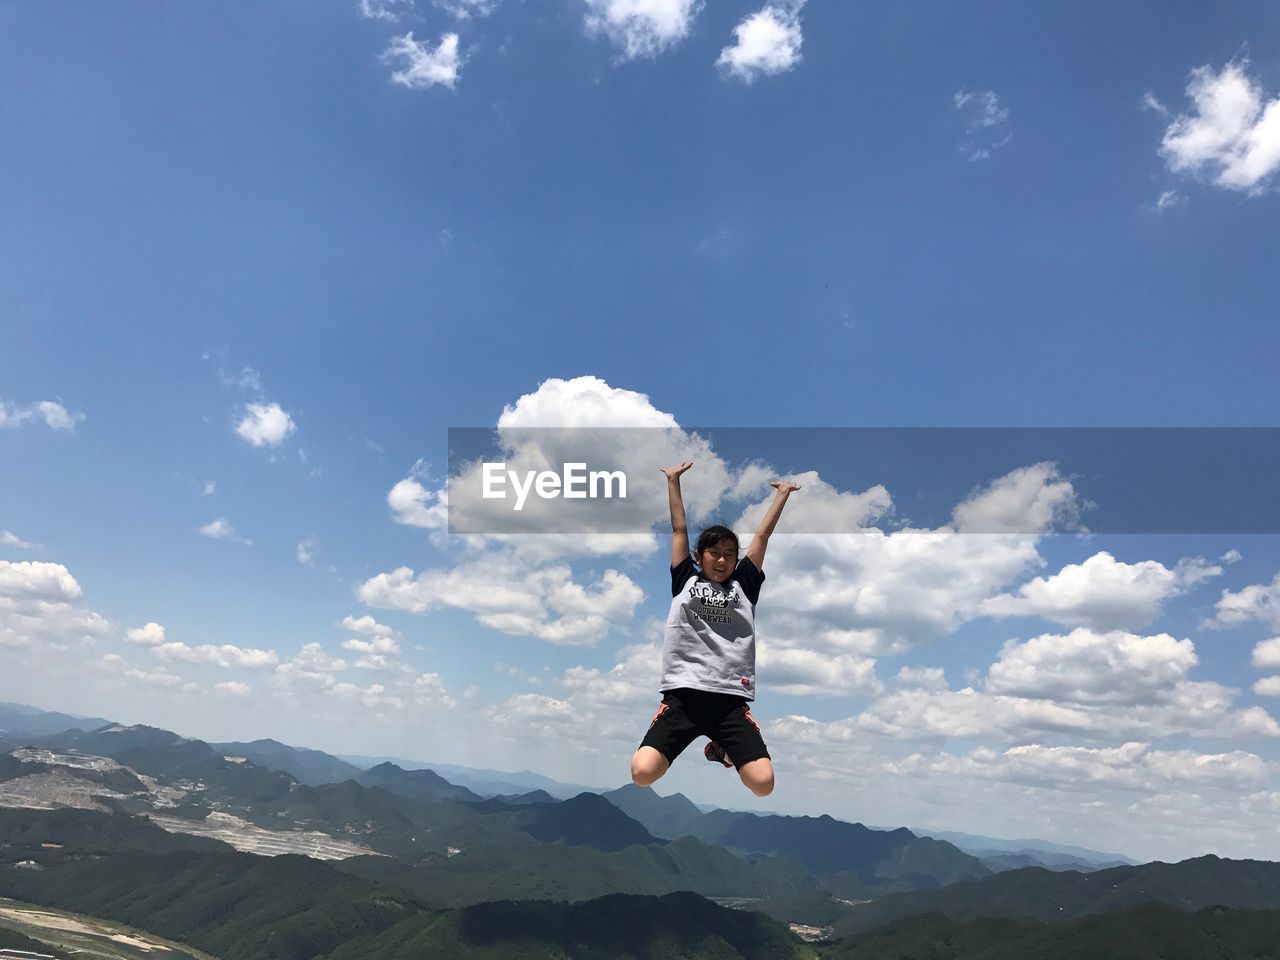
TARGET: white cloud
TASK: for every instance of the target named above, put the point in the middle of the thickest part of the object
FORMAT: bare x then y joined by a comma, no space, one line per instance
1232,134
1266,655
223,655
874,594
232,688
39,608
265,424
1200,709
1267,687
986,123
311,673
574,421
10,539
1130,766
366,626
1169,199
1031,499
52,412
388,10
1102,592
312,657
642,28
32,579
220,529
1085,667
149,634
810,673
424,66
466,9
766,42
378,645
507,595
411,504
209,488
1259,601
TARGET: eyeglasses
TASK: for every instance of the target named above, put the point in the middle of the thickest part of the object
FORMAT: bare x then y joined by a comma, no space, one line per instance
717,555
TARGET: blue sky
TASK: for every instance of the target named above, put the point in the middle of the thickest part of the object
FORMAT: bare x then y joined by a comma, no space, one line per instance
238,257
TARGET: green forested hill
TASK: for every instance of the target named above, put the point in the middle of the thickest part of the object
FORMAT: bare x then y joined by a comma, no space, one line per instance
682,926
1146,932
233,905
1042,894
559,872
81,834
585,820
389,823
240,907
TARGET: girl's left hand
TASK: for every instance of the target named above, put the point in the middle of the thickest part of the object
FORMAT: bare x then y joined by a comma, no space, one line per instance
785,486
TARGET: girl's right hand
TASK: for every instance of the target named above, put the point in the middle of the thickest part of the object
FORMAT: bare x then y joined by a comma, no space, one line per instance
674,472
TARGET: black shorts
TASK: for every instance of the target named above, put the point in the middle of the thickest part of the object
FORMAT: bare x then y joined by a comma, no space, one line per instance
687,714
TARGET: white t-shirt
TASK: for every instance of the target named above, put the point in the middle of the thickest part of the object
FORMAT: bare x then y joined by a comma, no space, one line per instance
710,639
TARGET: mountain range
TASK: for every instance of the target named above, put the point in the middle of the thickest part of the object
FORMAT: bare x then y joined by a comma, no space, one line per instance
409,859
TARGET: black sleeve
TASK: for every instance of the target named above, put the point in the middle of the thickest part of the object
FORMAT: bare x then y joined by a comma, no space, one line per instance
749,577
680,575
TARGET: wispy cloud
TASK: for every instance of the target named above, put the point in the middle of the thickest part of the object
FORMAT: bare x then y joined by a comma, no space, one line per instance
219,529
52,412
390,10
307,551
641,28
1232,133
10,539
1151,102
466,9
766,42
986,123
423,65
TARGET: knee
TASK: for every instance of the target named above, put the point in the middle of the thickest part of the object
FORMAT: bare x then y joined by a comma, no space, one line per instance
644,770
758,776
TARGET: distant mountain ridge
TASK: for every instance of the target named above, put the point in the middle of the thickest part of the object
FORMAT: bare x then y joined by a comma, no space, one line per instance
312,767
848,859
18,721
486,783
419,784
1046,852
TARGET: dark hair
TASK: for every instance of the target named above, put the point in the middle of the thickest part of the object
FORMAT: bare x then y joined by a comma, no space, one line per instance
709,537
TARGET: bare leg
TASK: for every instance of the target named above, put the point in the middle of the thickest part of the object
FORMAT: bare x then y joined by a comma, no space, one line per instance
648,765
758,776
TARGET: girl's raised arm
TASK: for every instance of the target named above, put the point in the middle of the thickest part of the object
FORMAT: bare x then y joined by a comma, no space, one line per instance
755,552
679,527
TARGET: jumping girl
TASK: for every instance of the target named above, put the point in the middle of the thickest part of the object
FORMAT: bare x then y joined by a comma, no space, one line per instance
709,649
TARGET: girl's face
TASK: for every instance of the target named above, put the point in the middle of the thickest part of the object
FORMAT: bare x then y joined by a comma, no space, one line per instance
719,561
